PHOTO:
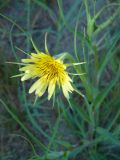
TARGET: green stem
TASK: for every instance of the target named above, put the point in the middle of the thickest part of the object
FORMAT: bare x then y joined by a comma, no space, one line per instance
89,108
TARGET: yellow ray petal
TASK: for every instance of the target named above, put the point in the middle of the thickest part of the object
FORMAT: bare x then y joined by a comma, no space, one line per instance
28,60
40,86
35,86
41,90
65,91
28,67
26,77
69,87
51,88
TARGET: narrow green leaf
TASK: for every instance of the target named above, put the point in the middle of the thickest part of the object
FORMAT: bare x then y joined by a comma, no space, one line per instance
42,146
102,95
108,136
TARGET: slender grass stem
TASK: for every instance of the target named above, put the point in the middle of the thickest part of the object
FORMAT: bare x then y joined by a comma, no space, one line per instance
43,147
89,108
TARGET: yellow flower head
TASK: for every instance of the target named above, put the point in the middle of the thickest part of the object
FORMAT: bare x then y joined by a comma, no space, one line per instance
49,72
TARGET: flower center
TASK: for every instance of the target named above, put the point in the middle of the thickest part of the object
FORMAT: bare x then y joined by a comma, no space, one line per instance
52,68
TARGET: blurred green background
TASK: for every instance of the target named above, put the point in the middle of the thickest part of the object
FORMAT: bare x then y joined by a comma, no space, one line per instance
90,31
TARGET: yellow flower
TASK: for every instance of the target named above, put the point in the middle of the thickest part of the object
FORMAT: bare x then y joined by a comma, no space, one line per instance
49,71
